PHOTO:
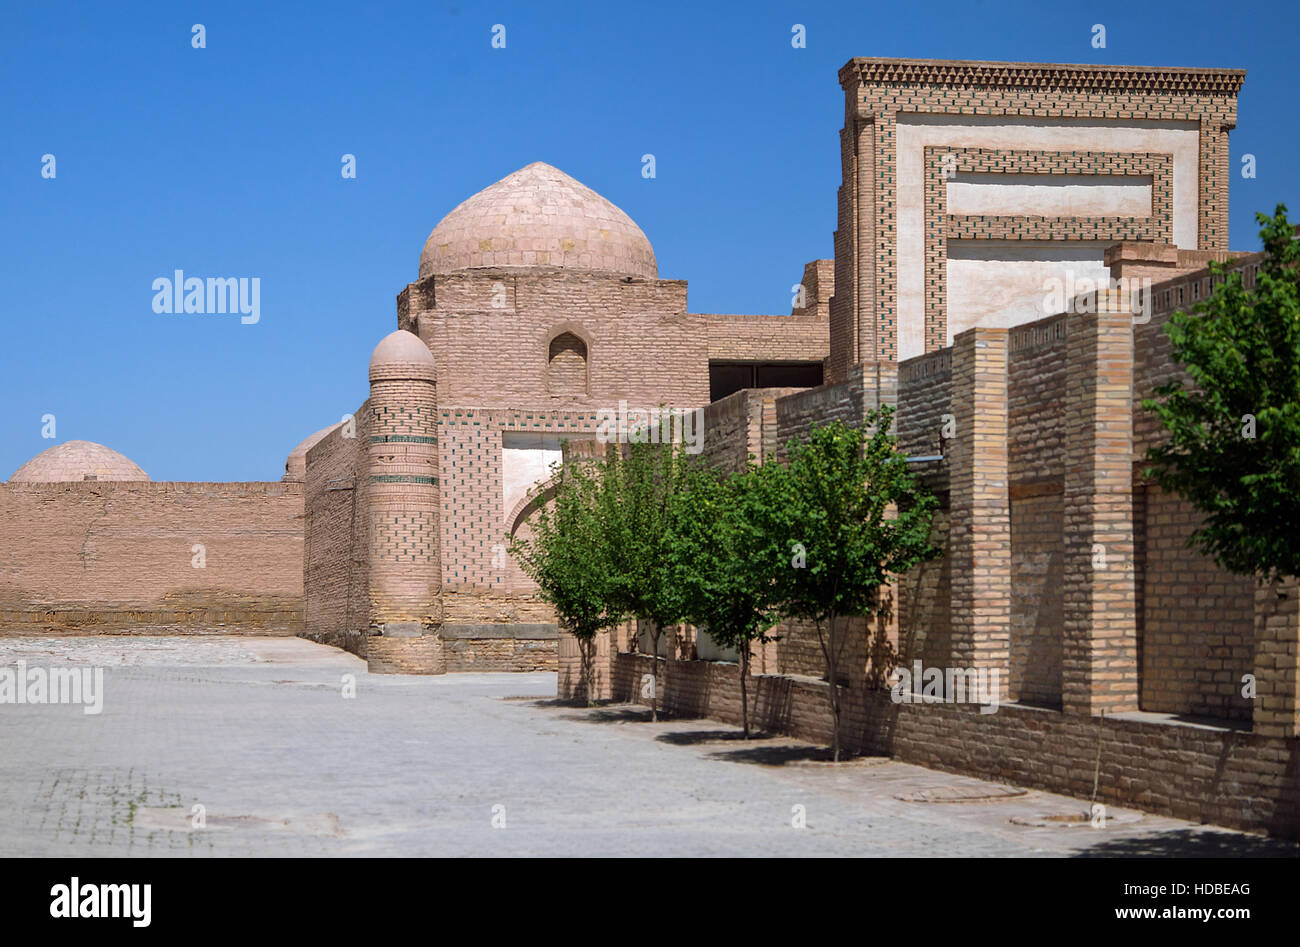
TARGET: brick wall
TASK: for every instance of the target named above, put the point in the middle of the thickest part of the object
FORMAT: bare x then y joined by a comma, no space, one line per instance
91,557
336,562
1197,621
491,334
1187,772
1198,636
1037,551
749,338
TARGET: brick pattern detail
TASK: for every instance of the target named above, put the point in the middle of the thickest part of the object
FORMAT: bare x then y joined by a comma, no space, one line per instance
940,226
402,500
878,90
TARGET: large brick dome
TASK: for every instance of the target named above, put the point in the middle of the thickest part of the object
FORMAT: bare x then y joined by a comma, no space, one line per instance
538,217
77,460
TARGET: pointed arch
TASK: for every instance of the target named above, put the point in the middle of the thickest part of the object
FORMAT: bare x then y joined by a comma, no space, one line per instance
566,361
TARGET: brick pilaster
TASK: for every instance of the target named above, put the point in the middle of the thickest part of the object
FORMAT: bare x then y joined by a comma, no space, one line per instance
1099,671
1277,658
979,511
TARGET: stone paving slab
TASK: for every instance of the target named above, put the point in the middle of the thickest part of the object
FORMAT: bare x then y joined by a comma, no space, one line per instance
257,732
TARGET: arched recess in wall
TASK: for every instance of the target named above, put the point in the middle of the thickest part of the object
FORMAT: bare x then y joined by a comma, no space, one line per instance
518,525
566,364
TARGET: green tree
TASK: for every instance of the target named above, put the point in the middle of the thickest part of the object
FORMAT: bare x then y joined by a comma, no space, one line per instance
1234,434
566,557
636,510
853,516
725,564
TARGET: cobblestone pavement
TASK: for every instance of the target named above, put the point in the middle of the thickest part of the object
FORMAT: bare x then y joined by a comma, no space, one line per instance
257,732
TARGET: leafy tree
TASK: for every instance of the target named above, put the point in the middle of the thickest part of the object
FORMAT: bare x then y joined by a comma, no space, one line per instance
1234,434
566,558
636,510
853,516
725,564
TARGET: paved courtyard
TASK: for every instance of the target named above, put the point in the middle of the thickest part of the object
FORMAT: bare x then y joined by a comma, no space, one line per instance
257,732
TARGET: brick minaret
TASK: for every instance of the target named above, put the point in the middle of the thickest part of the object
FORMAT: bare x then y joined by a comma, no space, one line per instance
403,502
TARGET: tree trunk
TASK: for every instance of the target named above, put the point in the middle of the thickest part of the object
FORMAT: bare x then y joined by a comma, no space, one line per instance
831,672
588,646
655,631
744,699
672,652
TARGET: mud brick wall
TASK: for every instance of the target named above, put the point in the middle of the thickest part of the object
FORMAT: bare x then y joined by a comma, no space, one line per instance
117,557
1036,402
491,335
1037,561
1036,463
758,338
742,425
1197,622
1187,772
486,647
868,386
924,402
925,593
423,654
799,650
336,559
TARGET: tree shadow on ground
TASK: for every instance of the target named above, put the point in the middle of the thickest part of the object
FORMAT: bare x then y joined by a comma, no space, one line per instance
695,737
787,754
620,714
1192,843
538,701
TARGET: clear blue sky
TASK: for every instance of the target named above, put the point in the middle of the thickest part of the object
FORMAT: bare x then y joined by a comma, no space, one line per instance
225,162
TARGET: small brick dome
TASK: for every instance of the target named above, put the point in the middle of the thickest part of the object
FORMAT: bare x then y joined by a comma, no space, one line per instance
538,217
402,354
295,465
77,460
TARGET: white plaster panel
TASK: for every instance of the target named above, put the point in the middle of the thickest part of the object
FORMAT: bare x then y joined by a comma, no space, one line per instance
1051,195
1005,284
916,132
526,459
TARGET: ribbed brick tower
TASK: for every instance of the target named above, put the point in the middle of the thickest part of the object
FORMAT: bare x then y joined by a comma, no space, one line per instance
403,502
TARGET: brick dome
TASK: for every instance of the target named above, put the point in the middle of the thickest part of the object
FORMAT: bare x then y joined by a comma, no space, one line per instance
538,217
295,465
402,354
77,460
